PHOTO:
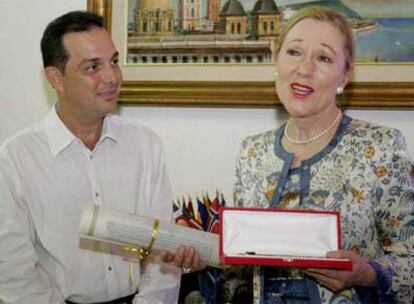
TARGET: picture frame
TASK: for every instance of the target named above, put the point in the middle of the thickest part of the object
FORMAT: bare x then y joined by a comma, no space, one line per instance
375,85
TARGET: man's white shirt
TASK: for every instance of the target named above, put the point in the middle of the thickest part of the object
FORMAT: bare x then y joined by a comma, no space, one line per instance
47,176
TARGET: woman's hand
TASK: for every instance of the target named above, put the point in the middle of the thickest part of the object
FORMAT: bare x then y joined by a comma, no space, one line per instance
362,274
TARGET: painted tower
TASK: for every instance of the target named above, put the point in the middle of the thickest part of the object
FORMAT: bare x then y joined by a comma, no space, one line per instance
189,15
233,18
154,18
213,12
265,19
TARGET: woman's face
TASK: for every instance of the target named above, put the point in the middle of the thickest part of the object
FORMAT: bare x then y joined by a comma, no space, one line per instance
310,66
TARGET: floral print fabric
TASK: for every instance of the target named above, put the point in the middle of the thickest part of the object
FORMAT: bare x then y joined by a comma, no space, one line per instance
366,174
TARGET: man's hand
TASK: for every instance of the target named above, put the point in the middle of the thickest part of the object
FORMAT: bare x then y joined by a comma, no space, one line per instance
188,259
185,258
362,273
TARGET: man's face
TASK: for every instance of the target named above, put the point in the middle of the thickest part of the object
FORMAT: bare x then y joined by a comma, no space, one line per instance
92,78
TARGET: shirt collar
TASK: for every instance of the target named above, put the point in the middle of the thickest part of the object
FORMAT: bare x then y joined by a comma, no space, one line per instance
109,129
60,137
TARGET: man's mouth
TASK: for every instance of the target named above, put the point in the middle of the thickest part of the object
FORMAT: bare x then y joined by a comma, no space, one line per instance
108,93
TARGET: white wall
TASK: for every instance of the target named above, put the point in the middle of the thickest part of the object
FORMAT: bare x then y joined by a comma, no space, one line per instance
200,143
24,95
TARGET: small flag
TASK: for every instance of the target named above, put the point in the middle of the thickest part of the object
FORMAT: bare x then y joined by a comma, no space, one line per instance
222,202
190,216
176,207
214,216
190,208
180,217
203,213
207,216
206,201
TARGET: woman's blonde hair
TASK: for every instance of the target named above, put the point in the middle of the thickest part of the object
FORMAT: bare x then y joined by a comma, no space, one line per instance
323,14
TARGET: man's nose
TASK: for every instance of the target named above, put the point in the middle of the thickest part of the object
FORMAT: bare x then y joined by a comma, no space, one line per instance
110,74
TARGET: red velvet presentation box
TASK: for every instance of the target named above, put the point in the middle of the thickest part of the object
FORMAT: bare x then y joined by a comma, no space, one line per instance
281,238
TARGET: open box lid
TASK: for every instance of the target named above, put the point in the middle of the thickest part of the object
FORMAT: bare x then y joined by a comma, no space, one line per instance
261,235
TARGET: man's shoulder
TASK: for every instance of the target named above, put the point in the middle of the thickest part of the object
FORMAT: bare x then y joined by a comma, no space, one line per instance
34,133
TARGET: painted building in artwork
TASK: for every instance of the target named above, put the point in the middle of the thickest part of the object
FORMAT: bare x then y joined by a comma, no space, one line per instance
189,15
191,50
265,19
233,18
154,18
213,13
221,36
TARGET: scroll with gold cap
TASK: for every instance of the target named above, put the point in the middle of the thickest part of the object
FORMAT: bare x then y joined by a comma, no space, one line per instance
137,235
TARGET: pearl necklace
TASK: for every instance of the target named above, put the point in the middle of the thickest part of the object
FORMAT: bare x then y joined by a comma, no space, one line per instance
314,138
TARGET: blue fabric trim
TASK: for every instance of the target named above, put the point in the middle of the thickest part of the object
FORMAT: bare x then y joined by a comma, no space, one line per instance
304,182
383,284
288,158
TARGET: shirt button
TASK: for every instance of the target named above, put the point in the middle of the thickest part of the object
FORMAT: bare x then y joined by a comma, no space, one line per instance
109,268
96,194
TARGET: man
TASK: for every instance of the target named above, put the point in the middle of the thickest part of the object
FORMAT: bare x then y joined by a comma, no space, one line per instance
79,154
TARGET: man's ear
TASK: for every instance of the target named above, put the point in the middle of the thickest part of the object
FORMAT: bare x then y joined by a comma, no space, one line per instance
55,78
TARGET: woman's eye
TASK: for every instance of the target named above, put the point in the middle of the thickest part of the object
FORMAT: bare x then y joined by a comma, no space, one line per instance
292,52
325,59
115,61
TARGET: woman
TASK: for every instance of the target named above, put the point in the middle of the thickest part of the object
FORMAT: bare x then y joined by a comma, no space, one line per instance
324,160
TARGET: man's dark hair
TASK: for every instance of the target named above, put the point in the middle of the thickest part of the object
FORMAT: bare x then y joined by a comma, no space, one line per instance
53,50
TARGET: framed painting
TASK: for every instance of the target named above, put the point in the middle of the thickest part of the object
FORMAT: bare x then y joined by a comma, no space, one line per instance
177,67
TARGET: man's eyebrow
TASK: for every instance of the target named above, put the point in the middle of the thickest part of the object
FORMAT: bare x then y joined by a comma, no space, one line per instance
89,60
96,59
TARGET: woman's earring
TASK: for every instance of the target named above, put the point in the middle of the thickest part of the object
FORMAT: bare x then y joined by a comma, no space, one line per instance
339,90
